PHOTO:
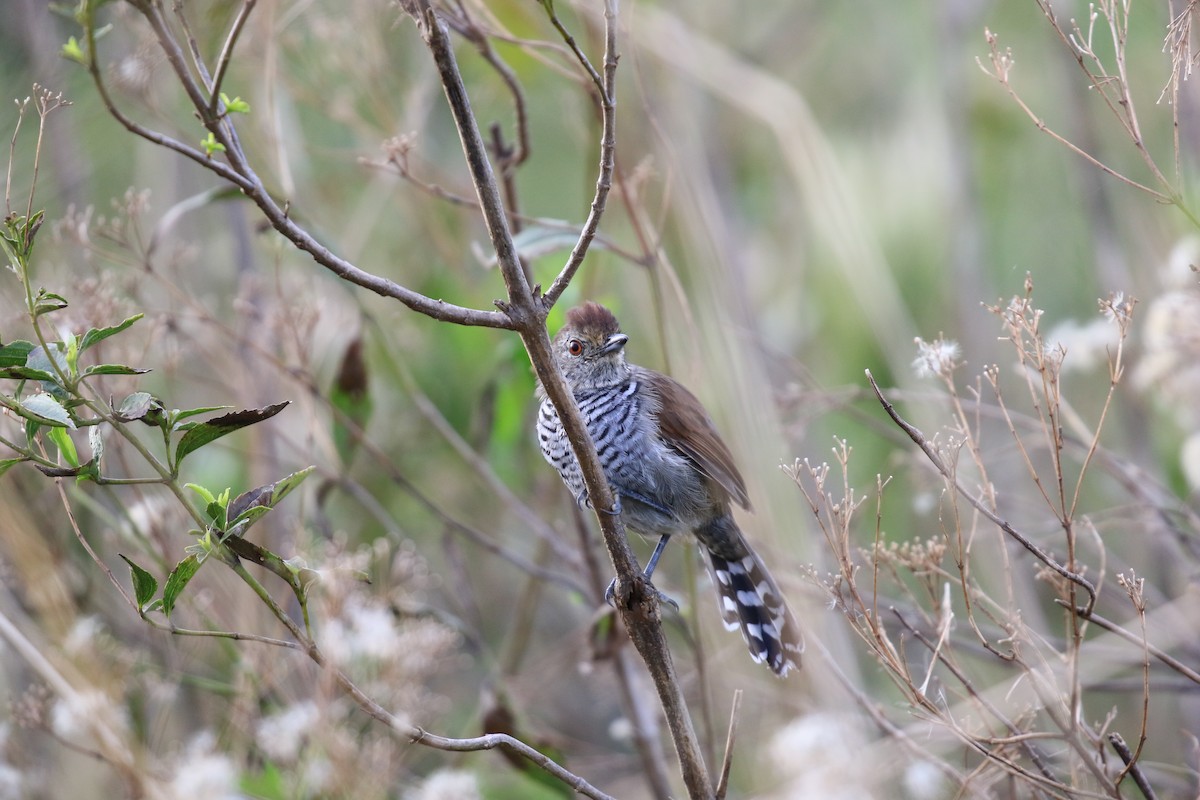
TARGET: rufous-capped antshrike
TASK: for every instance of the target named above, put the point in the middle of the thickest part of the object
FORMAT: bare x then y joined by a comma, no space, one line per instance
671,472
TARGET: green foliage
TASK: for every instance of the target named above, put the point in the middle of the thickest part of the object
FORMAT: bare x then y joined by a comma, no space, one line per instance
235,106
145,586
211,145
179,578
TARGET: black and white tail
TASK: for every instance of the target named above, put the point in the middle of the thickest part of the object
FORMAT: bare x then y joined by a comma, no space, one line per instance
751,602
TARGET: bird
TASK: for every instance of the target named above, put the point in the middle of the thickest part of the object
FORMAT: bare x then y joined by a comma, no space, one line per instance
670,471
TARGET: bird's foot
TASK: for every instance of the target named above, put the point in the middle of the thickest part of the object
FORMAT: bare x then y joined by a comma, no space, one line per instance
610,595
616,509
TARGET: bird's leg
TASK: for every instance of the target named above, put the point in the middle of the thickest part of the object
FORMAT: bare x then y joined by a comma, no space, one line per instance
610,592
653,562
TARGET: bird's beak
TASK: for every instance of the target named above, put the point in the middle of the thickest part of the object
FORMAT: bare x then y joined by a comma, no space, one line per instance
614,344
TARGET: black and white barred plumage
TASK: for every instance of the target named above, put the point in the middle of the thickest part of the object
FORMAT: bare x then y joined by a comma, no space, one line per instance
663,457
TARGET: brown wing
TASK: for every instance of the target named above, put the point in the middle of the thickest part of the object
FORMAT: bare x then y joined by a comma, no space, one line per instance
685,426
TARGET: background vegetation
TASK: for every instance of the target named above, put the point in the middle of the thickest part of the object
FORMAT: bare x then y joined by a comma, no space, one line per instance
802,190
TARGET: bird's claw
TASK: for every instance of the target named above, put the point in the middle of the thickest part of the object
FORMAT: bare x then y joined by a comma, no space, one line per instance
583,501
610,595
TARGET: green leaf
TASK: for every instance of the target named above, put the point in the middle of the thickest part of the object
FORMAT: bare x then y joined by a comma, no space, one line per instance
206,432
235,106
177,415
8,463
72,51
66,447
112,369
178,579
71,347
144,584
204,493
27,374
15,354
211,145
45,302
96,335
46,410
249,506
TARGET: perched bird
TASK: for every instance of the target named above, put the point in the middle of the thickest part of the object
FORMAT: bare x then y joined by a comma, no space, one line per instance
672,474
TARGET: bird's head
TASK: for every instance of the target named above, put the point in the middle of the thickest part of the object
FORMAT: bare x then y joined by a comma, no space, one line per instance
590,348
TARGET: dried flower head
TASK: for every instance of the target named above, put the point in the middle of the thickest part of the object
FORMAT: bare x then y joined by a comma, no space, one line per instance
938,358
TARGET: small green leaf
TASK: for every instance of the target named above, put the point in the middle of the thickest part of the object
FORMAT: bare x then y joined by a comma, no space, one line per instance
46,410
177,415
96,335
206,432
71,347
249,506
177,580
45,302
144,584
235,106
15,354
112,369
8,463
66,447
134,406
211,145
72,51
204,493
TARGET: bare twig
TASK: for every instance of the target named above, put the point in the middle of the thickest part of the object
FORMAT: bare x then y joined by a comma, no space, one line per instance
606,88
1135,770
727,761
235,31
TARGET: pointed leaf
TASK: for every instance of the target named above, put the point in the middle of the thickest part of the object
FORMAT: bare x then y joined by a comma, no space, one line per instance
46,410
97,335
66,447
178,579
206,432
178,415
45,302
203,492
144,584
14,354
251,505
8,463
113,369
26,374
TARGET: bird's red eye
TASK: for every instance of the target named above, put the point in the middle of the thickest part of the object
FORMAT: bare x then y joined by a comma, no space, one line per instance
574,347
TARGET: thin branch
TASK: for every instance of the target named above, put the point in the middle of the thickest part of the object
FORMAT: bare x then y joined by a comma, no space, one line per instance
607,98
235,31
1135,769
1112,627
730,737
